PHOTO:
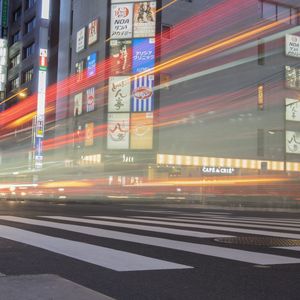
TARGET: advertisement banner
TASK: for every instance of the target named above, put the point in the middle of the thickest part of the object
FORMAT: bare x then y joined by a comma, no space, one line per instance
144,19
120,56
292,77
93,32
118,131
89,134
90,99
3,64
119,94
121,21
143,54
80,40
292,110
141,131
77,104
142,94
43,63
79,67
292,45
293,142
91,64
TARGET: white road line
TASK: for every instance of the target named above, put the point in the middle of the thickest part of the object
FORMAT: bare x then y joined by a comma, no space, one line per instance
293,248
279,220
232,254
105,257
209,227
167,230
224,219
296,229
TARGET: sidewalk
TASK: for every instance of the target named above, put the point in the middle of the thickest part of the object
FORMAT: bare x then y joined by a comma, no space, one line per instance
44,287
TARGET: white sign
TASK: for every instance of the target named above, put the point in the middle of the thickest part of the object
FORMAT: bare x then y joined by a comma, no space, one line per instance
118,131
292,45
78,104
119,94
90,99
3,64
121,21
218,170
292,142
42,84
80,41
93,32
292,110
45,9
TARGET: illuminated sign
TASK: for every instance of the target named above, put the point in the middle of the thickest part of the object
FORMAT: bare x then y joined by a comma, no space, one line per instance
79,67
40,126
90,99
91,64
120,56
4,22
41,101
218,170
93,32
292,77
293,142
292,110
142,93
144,19
45,9
78,104
292,45
89,134
118,131
3,64
260,96
43,63
80,40
143,54
141,135
119,94
121,21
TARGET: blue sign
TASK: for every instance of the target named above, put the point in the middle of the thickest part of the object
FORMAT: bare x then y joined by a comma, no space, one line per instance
143,56
91,64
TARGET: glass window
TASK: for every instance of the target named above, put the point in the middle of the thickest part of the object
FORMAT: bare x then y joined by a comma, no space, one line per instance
17,14
29,50
15,37
269,11
28,75
284,14
15,83
30,3
15,60
29,26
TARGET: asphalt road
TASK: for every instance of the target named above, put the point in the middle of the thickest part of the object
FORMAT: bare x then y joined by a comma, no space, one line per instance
131,251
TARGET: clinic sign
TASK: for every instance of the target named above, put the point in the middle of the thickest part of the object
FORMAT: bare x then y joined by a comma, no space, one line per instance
292,45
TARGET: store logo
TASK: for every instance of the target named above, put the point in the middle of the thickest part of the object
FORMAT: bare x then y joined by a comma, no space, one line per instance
122,12
217,170
142,93
127,159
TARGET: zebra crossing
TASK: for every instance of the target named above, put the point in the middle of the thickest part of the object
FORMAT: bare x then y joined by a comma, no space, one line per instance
193,234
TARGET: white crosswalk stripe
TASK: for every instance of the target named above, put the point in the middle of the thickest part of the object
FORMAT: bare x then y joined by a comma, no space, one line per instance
120,260
208,227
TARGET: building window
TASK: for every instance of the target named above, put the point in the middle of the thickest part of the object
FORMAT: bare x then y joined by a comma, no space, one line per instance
29,26
166,31
276,12
261,52
15,60
29,50
17,14
28,75
15,83
30,3
15,37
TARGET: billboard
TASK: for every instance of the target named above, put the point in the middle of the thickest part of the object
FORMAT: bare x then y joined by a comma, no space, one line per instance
120,56
89,134
121,21
91,64
144,19
292,77
79,67
292,110
80,40
93,32
118,131
119,94
78,104
142,94
141,135
292,45
293,142
143,54
90,99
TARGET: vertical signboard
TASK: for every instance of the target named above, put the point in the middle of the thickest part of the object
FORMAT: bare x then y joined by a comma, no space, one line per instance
143,94
79,67
143,55
90,99
292,45
3,64
78,104
89,134
293,142
292,110
118,131
119,94
93,32
120,56
80,40
121,21
91,64
144,19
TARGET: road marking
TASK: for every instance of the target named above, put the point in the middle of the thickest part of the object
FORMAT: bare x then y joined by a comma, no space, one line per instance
101,256
167,230
209,227
293,248
221,223
220,252
241,221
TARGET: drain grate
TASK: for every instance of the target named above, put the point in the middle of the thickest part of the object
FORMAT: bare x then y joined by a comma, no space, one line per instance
259,241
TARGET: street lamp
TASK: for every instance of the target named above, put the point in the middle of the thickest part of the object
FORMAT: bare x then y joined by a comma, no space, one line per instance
22,94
